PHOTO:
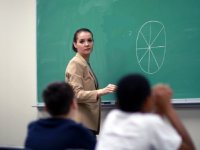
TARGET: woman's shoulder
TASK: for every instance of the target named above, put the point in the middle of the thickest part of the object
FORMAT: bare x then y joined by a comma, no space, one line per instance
75,65
77,61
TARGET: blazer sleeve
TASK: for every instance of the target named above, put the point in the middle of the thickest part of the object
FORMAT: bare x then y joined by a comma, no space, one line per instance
74,75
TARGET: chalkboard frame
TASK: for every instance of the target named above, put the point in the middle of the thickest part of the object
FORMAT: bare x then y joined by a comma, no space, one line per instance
128,32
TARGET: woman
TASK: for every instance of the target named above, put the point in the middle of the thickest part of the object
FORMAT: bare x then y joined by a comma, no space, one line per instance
83,80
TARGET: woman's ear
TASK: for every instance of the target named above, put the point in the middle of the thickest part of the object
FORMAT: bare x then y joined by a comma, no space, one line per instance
75,45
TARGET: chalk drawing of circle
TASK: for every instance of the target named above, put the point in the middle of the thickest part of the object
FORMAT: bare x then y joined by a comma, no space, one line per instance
151,46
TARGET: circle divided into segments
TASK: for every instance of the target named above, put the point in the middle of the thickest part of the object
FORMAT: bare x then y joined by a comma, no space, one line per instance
151,46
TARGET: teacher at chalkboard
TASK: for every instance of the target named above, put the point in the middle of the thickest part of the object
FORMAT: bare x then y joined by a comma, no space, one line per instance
84,82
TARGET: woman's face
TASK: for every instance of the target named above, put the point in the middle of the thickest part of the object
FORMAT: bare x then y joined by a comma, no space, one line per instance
84,43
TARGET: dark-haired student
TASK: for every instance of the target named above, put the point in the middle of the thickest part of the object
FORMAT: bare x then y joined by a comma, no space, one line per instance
138,122
60,131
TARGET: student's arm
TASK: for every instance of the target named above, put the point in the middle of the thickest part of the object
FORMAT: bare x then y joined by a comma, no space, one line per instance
163,94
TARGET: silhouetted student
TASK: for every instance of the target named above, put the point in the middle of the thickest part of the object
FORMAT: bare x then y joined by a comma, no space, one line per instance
136,126
60,131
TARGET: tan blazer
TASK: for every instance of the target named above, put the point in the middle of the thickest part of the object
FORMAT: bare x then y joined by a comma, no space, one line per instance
82,79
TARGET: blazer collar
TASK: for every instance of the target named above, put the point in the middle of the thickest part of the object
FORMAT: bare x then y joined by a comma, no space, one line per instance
81,58
87,63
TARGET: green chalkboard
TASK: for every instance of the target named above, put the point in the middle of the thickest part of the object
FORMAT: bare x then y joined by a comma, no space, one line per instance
157,38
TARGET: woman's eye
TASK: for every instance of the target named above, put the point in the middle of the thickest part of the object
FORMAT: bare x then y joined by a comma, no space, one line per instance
81,41
90,40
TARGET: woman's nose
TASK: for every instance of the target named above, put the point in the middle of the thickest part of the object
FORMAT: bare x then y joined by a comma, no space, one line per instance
86,43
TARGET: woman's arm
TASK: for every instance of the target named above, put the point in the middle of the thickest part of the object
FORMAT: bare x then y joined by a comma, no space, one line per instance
75,77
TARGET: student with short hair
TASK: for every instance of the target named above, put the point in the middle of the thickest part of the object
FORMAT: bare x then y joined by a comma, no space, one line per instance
60,131
138,122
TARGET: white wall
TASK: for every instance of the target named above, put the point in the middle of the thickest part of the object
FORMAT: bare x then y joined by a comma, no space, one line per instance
17,69
18,75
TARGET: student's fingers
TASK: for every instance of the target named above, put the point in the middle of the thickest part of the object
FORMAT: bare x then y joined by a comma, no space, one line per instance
162,90
162,94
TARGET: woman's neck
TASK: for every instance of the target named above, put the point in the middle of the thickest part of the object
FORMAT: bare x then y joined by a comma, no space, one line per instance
86,57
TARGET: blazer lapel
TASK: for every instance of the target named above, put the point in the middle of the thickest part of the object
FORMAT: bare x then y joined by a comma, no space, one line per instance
89,68
93,75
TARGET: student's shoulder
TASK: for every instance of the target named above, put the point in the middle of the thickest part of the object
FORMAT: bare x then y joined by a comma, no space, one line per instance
35,123
114,116
75,126
155,121
79,128
153,117
114,112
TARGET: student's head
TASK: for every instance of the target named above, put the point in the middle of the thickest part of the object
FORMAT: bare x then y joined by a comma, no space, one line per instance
83,38
58,97
132,93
